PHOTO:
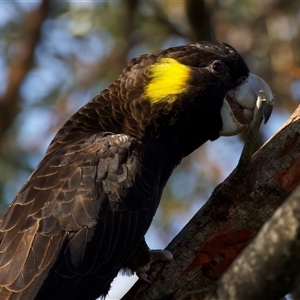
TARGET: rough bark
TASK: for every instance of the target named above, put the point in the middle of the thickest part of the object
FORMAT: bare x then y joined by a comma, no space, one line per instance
270,265
232,216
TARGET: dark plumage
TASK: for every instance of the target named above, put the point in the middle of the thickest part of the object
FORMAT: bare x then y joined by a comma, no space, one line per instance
85,209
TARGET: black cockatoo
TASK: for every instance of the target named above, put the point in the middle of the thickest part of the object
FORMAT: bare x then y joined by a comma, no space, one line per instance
82,215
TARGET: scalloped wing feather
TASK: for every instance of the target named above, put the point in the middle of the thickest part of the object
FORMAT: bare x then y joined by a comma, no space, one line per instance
81,213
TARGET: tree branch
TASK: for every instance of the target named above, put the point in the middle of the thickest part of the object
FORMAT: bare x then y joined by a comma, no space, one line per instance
161,17
198,18
231,217
20,64
272,258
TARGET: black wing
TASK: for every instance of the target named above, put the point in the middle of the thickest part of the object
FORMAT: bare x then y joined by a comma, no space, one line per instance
78,218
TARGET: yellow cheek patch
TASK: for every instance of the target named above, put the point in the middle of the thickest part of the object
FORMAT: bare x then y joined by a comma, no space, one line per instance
168,79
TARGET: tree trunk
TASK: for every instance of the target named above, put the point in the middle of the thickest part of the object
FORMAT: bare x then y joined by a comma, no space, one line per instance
232,216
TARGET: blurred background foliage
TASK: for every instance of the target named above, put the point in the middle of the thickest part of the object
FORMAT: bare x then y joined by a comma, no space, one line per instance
56,55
